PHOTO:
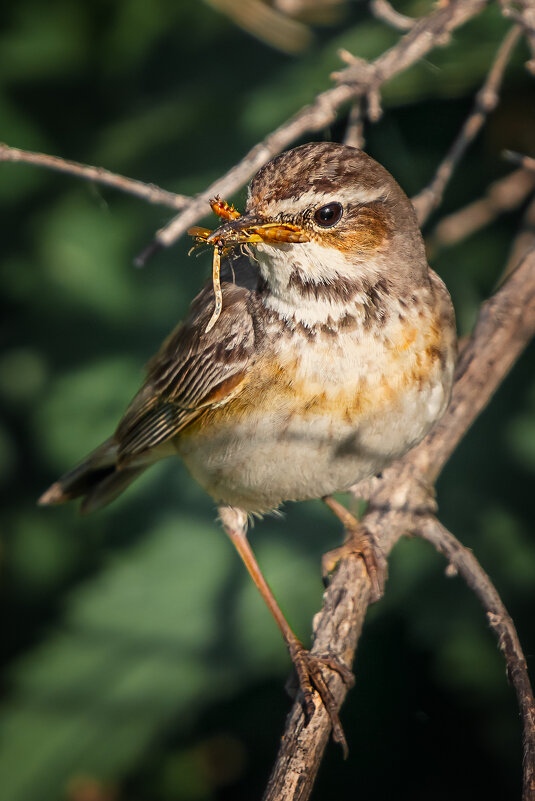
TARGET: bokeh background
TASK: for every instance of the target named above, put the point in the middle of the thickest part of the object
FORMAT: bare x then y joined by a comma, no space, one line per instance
139,663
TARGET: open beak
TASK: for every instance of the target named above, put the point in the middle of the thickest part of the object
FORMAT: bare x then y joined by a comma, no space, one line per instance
250,228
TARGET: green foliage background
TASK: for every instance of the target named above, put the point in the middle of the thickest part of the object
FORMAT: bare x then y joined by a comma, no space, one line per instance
139,662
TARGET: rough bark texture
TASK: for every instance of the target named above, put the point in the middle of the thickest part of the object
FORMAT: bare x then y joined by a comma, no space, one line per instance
400,502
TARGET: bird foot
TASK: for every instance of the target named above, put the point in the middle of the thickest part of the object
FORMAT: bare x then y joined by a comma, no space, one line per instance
359,543
310,674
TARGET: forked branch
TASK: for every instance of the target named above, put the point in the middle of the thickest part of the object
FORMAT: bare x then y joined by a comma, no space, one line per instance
502,196
486,101
355,81
464,562
401,502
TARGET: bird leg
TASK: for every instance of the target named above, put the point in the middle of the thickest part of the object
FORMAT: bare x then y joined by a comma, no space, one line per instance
358,541
309,667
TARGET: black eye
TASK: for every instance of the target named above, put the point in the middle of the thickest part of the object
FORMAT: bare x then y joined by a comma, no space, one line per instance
328,215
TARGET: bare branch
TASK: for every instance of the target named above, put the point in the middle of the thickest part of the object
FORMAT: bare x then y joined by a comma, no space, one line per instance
354,135
397,501
523,12
148,192
506,322
353,83
400,500
517,158
465,563
523,243
502,196
270,24
374,111
384,11
486,101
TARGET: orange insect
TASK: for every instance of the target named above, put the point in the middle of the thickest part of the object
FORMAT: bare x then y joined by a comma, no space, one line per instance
278,232
222,209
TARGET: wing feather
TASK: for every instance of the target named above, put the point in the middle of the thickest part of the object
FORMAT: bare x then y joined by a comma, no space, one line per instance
193,370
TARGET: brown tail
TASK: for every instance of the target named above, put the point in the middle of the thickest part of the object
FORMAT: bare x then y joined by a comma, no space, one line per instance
97,479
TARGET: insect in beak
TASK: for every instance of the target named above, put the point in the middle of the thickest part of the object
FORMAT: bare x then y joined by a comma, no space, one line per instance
238,229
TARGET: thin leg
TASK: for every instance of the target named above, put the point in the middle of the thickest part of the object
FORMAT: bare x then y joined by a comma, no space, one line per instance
357,542
308,667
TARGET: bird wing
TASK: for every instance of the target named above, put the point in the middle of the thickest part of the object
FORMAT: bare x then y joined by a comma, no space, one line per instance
193,371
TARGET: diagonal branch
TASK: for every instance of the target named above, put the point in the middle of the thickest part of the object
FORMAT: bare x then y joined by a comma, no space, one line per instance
504,195
523,12
465,563
517,158
148,192
523,242
399,501
353,82
506,323
486,101
384,11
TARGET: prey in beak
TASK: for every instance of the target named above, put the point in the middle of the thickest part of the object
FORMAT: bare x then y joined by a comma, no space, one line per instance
238,230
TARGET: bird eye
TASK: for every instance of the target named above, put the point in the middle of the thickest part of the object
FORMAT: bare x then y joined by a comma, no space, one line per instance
328,215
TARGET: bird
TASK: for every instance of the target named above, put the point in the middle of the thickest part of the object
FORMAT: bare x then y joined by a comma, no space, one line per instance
332,356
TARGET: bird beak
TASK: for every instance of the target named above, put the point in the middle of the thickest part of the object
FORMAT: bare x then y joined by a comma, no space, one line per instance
251,228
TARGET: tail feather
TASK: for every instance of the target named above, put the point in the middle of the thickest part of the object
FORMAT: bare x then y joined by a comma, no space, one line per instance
97,479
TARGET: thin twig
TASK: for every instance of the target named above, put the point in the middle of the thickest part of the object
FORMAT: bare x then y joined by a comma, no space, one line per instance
504,195
148,192
353,83
524,14
465,563
506,322
268,23
396,502
374,110
486,101
384,11
354,135
517,158
523,242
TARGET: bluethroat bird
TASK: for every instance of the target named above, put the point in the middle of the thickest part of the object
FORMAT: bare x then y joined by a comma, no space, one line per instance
332,355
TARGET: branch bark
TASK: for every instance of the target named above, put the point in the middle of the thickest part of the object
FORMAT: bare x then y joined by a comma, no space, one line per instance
356,80
384,11
400,501
486,101
397,502
504,195
149,192
465,563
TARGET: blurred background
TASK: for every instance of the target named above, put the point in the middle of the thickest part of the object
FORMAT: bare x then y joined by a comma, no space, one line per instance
139,663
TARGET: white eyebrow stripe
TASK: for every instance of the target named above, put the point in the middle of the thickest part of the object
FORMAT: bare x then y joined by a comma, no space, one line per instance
353,194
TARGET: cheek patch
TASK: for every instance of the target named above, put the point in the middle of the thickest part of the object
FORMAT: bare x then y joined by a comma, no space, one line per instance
364,228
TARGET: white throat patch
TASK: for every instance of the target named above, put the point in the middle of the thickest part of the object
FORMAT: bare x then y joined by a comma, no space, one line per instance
321,265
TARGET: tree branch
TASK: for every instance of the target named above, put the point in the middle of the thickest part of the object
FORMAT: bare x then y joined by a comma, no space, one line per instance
354,135
523,242
524,14
396,503
465,563
523,161
148,192
504,195
486,101
400,500
384,11
353,82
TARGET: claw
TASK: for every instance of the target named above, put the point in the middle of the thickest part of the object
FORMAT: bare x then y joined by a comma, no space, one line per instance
358,542
309,669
